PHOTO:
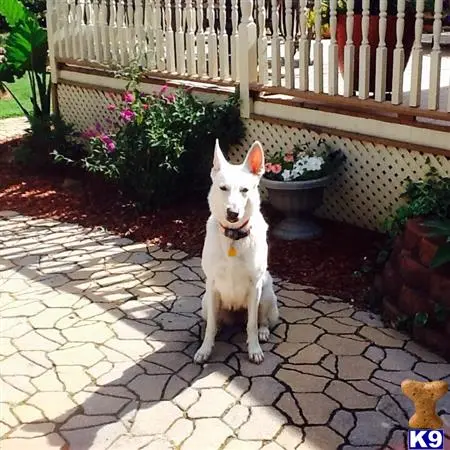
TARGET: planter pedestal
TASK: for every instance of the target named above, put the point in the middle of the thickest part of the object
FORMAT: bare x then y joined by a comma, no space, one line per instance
300,228
297,200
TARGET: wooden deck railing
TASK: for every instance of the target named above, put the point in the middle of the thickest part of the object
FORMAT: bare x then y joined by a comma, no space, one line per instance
292,47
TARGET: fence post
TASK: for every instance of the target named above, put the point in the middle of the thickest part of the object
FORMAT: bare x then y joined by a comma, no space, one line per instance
52,19
247,56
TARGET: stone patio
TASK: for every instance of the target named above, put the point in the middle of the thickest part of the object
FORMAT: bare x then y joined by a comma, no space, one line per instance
97,339
12,128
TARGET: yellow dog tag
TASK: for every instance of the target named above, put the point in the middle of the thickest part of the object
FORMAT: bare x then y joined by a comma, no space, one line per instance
232,251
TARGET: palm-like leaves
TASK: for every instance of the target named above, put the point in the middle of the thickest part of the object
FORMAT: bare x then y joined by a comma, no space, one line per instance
13,11
26,53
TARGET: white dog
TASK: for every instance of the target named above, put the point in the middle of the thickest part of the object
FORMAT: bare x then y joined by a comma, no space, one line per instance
235,253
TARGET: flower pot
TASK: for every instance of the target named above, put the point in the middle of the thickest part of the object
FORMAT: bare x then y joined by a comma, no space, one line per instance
297,200
391,39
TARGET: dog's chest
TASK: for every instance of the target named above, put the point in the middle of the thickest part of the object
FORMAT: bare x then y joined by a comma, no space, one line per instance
232,280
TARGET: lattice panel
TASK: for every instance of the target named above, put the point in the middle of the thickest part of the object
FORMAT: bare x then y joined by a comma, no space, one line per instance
363,193
368,187
84,108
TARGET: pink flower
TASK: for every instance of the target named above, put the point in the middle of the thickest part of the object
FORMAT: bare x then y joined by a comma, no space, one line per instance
268,167
108,143
170,98
88,134
111,107
276,168
127,115
128,97
289,157
110,147
145,106
163,89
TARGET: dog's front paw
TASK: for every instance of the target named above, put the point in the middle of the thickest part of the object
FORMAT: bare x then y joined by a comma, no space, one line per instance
202,354
255,353
263,334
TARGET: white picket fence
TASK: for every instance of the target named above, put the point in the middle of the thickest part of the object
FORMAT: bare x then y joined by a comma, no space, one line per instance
257,43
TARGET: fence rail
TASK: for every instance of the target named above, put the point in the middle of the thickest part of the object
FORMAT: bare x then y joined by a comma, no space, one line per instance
294,45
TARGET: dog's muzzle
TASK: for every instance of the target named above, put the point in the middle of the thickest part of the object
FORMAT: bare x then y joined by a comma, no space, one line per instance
232,216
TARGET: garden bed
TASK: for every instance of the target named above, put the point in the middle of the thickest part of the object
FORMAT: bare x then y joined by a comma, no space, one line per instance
338,264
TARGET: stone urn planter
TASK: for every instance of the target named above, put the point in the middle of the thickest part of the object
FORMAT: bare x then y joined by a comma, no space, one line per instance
297,200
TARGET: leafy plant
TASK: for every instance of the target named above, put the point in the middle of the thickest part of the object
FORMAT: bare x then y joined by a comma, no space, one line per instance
441,228
421,319
45,136
26,49
441,313
324,15
163,147
429,197
37,7
306,161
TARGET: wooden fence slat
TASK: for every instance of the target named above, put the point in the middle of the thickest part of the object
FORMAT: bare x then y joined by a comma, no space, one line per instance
213,69
435,58
417,56
318,48
364,53
104,32
179,40
170,39
303,48
113,31
263,76
349,52
235,40
333,52
223,42
399,56
275,45
381,55
159,38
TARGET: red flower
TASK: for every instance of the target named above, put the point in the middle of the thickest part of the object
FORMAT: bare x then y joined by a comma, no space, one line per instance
276,168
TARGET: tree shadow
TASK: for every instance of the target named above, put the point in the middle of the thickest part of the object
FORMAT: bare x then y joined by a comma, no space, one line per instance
147,360
145,379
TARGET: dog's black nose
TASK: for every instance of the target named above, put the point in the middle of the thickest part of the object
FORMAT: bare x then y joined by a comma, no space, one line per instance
232,216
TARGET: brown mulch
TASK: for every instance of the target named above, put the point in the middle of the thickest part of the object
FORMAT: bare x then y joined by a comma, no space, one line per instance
334,264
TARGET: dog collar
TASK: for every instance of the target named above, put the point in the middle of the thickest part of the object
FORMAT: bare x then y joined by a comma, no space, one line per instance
236,233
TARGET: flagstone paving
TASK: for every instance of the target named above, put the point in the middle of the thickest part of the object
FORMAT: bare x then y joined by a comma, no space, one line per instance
97,339
12,128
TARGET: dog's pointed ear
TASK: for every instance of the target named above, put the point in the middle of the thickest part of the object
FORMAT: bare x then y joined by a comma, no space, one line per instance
254,161
219,160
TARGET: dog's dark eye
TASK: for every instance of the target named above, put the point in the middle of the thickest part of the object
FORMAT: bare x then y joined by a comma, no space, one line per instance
244,190
223,188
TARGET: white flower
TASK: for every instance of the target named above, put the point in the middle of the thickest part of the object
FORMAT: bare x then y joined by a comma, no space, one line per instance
314,163
286,174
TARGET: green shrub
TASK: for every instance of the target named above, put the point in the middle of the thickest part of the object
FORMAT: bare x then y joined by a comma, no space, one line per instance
46,135
429,198
163,148
440,228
